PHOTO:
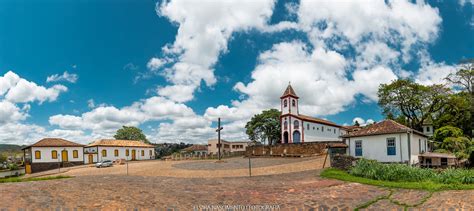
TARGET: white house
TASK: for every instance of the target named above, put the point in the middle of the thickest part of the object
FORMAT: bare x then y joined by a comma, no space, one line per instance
387,141
50,153
108,149
298,128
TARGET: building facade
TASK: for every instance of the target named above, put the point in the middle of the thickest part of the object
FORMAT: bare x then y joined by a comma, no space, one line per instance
227,146
387,141
298,128
51,153
108,149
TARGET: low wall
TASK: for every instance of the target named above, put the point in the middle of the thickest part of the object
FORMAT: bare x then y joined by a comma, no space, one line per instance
38,167
301,149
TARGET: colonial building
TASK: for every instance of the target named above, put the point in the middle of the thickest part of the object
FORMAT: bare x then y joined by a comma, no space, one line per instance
51,153
108,149
195,150
298,128
387,141
227,146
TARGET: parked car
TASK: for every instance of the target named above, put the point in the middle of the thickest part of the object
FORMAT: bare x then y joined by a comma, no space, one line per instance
104,163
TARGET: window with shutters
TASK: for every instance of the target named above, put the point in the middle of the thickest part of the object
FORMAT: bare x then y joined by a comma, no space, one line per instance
391,147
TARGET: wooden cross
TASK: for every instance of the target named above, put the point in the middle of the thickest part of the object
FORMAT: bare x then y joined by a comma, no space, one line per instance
218,130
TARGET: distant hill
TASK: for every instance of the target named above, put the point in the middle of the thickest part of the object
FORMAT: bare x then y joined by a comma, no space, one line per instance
10,148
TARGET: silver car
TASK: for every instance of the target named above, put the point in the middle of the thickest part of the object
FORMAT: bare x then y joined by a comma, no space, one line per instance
104,163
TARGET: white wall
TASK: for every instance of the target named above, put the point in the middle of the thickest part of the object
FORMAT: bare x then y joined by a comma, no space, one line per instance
375,147
122,153
46,154
315,132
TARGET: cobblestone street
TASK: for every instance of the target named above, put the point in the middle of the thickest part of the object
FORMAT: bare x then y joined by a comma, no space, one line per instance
298,189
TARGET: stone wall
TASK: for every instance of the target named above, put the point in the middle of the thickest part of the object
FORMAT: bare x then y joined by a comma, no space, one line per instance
302,149
38,167
343,162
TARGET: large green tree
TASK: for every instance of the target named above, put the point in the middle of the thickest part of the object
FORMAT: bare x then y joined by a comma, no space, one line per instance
265,127
411,102
130,133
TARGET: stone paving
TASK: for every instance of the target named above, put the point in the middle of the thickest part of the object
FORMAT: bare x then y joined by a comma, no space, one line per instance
300,190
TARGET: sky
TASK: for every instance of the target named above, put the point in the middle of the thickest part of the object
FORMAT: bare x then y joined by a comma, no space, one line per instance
80,70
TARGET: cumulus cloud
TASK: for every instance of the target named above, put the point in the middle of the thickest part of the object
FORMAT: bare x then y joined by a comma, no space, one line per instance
431,72
19,90
205,28
362,122
70,77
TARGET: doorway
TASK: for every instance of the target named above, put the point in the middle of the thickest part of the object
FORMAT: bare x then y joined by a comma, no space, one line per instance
64,157
285,137
91,158
134,154
296,137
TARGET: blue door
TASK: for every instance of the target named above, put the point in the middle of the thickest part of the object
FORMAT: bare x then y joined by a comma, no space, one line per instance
296,137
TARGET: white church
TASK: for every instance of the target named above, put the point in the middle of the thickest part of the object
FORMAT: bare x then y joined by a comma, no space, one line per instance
299,128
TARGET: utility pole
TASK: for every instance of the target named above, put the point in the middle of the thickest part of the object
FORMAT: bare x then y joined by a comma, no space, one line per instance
219,128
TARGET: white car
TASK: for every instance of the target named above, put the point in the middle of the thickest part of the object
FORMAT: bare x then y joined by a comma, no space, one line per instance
104,163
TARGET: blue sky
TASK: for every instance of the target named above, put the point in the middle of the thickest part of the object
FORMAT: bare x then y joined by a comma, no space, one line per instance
172,68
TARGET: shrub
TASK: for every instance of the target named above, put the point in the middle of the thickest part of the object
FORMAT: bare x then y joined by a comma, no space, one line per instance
12,166
404,173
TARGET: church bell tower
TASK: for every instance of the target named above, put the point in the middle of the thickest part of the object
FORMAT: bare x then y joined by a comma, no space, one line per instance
289,101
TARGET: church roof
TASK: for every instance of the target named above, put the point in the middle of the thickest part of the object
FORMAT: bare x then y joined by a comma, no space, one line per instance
317,120
385,127
289,92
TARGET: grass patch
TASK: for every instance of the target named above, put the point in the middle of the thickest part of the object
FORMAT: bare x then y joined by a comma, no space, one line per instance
422,185
20,179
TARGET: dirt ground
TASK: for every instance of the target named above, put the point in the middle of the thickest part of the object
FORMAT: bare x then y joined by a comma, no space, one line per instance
279,184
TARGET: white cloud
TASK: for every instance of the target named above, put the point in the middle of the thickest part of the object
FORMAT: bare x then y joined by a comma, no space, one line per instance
155,64
431,72
70,77
8,80
362,122
204,30
25,91
9,112
19,90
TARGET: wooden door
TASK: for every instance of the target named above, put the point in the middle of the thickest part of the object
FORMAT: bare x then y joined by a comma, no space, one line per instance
91,158
134,153
28,168
64,157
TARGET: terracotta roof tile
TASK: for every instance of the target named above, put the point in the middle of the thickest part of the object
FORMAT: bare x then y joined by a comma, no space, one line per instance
120,143
384,127
55,142
317,120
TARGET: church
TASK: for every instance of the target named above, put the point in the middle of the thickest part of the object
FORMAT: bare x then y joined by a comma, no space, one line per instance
299,128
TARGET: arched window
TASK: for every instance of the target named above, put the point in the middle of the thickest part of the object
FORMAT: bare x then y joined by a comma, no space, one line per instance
293,103
75,154
285,103
296,124
54,154
116,153
104,153
127,152
285,125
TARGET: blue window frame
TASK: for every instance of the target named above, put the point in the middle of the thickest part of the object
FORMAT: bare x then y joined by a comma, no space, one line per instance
391,147
358,148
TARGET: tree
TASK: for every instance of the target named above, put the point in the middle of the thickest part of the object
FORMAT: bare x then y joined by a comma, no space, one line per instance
131,133
411,102
265,127
442,133
356,123
451,139
464,77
